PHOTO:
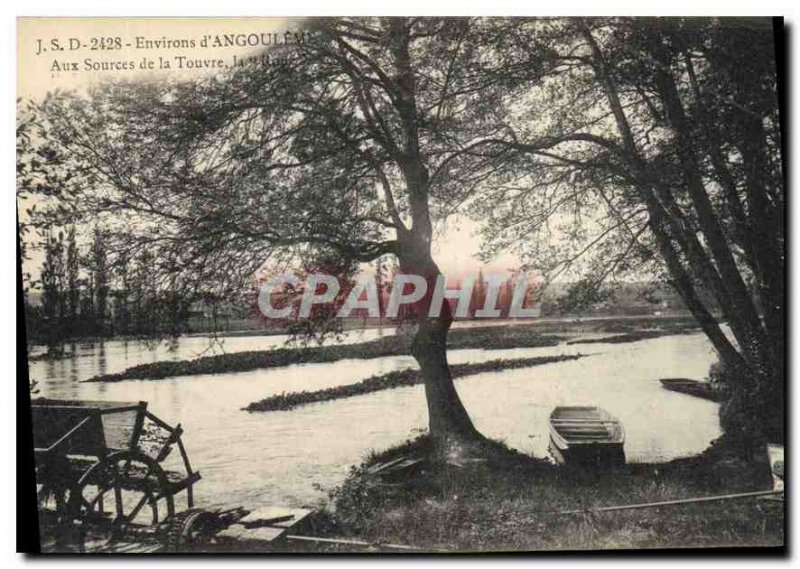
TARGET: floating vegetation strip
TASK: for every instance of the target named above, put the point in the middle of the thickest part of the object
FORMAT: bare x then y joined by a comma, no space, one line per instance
488,337
632,336
391,380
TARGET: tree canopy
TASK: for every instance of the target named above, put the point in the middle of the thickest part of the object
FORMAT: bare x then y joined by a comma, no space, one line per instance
679,173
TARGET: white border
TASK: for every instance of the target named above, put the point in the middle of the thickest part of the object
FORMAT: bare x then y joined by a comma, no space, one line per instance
308,8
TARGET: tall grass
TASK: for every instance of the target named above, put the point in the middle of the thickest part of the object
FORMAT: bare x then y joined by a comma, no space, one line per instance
514,503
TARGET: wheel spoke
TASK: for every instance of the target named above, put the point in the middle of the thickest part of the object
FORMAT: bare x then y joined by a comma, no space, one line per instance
135,512
126,469
118,498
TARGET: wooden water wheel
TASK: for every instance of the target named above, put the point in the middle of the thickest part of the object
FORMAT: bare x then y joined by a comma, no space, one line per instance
127,493
99,473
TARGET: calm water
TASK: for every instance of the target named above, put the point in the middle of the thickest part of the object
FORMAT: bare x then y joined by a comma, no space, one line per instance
281,458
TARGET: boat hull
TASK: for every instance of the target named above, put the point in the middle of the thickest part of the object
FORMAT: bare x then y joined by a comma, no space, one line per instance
594,456
691,387
586,437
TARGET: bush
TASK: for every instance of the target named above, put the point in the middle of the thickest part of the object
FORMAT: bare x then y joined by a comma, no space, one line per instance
751,413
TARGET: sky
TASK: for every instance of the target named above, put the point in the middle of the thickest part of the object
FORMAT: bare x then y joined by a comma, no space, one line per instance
47,44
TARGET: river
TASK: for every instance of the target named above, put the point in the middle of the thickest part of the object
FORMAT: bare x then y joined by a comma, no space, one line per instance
284,458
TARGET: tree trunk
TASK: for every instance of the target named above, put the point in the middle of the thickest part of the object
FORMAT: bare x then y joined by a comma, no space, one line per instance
683,285
450,426
762,243
754,410
745,321
448,421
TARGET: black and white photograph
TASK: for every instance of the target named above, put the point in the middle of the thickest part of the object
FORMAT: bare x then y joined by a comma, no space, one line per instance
400,285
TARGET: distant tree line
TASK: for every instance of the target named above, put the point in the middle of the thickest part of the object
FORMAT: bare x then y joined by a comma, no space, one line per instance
84,296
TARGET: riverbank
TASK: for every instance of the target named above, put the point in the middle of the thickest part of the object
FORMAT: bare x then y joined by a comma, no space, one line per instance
512,502
392,380
513,335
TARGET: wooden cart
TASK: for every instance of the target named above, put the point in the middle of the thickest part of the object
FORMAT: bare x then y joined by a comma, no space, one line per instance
100,472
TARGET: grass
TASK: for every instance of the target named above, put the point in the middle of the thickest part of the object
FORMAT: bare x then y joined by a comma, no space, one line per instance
511,503
392,380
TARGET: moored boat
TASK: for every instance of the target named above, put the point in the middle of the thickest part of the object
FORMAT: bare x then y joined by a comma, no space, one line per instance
690,387
587,437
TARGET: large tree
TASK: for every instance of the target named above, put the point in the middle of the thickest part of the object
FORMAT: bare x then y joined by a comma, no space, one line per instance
351,145
661,152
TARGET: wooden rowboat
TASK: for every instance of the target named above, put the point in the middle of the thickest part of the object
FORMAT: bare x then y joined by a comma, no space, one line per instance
691,387
587,437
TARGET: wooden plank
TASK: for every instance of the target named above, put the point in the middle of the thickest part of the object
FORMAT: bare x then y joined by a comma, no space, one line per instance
119,427
585,433
300,515
149,548
407,463
128,548
84,403
230,533
381,466
775,453
138,425
397,467
69,433
596,421
125,547
275,517
256,536
177,485
117,547
166,448
237,533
